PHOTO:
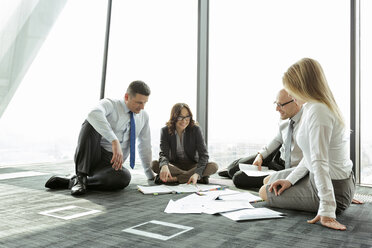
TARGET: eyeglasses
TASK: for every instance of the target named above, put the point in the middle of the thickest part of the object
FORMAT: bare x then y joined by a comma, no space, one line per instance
181,118
281,105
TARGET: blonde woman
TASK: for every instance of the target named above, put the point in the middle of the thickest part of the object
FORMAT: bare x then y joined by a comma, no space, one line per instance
323,182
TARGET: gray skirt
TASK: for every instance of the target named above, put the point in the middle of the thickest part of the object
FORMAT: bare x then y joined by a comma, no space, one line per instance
304,194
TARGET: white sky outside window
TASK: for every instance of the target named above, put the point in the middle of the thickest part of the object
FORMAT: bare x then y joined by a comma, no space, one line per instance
43,119
156,42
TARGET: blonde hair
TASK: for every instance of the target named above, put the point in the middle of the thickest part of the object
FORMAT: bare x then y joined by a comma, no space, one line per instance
306,81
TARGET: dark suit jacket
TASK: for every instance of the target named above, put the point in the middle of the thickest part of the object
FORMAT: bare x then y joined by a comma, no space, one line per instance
194,146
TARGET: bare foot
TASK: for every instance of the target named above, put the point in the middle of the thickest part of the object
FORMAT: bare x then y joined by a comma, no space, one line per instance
328,222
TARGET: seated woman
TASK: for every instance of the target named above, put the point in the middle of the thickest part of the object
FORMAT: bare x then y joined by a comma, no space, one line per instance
183,156
323,182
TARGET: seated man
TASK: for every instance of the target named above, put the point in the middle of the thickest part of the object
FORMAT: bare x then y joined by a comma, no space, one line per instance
106,138
273,154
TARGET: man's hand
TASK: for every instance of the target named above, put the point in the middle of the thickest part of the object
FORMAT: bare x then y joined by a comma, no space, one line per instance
117,155
258,161
355,201
193,179
279,186
328,222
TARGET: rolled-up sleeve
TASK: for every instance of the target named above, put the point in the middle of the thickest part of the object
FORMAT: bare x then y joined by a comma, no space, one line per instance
97,118
319,144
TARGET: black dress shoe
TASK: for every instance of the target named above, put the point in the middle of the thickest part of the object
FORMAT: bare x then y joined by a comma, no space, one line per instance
204,180
58,182
223,173
80,185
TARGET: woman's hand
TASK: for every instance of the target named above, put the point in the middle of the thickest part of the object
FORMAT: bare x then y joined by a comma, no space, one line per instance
193,179
165,173
328,222
279,186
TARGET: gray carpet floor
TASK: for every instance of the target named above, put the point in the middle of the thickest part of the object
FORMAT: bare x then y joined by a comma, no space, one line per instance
33,216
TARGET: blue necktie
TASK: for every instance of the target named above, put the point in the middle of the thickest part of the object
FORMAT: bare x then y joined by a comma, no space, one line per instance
132,139
288,145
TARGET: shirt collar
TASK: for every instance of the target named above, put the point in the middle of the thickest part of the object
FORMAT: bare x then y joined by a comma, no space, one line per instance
126,109
297,116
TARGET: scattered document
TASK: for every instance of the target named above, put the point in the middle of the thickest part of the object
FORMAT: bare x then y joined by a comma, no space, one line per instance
182,208
181,188
252,170
240,196
253,214
205,203
219,206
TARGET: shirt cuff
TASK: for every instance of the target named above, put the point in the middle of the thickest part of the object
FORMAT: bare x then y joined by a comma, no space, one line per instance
263,153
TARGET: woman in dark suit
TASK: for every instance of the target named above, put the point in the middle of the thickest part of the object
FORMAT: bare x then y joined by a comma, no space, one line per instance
183,156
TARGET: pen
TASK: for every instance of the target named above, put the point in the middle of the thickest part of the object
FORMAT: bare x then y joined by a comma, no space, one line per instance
221,188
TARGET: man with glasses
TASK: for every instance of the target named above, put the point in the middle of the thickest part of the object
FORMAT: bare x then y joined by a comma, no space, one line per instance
273,154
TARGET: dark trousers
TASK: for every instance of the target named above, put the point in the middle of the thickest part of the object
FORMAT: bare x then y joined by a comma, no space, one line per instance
241,180
93,160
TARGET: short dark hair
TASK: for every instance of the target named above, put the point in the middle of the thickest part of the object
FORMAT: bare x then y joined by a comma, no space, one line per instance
138,87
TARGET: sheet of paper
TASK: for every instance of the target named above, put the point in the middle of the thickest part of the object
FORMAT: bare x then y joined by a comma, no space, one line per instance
190,204
219,206
240,196
190,188
181,188
159,189
205,203
217,193
253,214
252,170
182,208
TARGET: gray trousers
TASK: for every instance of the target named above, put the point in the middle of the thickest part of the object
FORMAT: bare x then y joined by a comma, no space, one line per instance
304,194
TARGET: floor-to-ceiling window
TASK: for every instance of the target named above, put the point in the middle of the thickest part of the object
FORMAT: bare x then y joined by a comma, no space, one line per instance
252,43
61,84
366,89
154,41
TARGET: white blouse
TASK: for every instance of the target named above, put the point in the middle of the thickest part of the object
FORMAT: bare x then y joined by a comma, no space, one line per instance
325,147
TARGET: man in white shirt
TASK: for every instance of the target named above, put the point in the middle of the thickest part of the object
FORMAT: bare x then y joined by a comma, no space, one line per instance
273,154
104,144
